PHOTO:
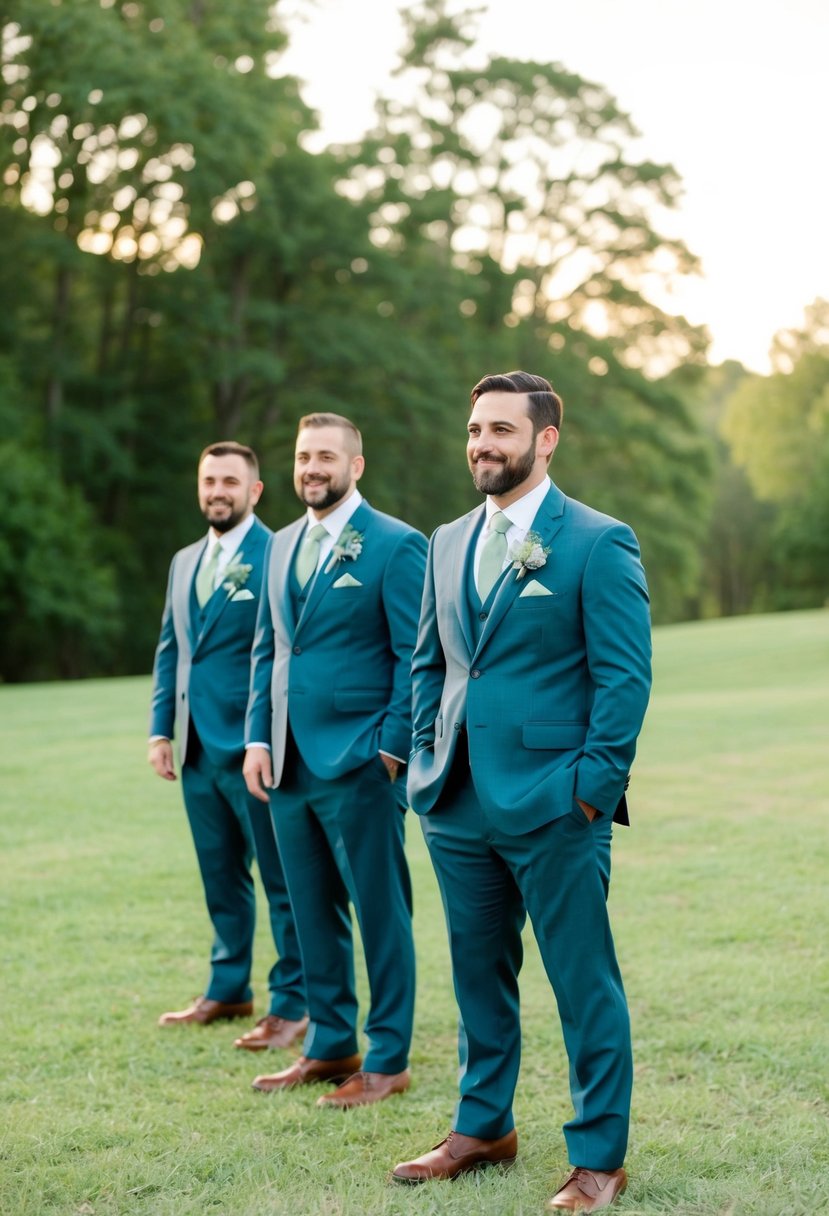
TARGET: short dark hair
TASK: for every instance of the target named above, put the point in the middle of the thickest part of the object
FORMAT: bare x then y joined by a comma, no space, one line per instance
345,424
229,447
545,406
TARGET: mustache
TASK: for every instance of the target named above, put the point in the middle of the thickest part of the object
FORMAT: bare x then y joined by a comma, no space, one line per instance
492,456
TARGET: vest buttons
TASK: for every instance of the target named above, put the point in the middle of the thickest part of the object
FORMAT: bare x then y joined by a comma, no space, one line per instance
297,650
482,616
458,726
475,673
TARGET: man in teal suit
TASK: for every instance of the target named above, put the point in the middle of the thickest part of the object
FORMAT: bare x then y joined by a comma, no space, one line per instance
530,683
328,731
200,687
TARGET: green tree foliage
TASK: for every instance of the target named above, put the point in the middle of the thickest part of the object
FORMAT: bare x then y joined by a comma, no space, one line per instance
736,554
59,609
176,267
778,431
516,174
526,163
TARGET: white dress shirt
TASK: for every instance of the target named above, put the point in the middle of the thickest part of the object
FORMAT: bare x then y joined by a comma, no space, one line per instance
231,542
333,522
520,514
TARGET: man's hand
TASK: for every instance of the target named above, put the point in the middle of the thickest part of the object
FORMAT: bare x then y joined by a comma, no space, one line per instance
590,811
392,766
258,772
160,756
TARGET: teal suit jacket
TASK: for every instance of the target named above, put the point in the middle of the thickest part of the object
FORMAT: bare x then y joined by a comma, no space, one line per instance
551,688
201,673
339,672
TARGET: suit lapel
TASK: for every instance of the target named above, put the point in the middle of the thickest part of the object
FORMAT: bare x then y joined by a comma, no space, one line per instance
548,520
283,556
330,571
186,567
458,561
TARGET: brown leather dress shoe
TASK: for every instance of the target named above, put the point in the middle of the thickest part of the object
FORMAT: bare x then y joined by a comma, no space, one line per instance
272,1031
306,1071
588,1191
456,1155
203,1011
364,1088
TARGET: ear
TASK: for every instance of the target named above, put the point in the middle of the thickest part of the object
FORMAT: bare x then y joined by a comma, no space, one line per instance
358,465
546,442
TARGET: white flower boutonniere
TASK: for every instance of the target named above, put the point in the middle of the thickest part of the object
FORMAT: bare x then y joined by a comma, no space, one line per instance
530,554
236,575
348,547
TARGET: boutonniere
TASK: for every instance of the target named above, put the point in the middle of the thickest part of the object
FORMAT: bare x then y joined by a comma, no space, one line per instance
530,554
348,547
236,575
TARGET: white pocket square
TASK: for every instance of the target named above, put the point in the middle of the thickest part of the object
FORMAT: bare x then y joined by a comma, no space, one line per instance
243,594
533,587
347,580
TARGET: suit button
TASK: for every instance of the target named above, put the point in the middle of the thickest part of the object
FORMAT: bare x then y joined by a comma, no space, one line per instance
474,673
458,726
482,616
297,650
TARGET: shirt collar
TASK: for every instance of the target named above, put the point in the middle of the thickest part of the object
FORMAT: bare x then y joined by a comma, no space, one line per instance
232,539
335,520
523,511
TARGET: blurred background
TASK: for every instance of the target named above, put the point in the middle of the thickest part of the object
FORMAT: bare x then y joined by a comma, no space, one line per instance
217,217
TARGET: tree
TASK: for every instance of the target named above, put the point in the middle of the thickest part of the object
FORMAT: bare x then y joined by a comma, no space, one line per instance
176,267
59,609
516,174
736,554
778,431
526,163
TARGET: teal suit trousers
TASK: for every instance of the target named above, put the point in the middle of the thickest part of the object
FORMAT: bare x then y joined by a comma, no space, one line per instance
230,828
344,840
560,874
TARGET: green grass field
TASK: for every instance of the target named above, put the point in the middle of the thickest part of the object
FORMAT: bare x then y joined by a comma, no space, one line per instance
719,901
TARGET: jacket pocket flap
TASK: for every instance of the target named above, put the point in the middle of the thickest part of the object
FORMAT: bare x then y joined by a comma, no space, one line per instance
554,736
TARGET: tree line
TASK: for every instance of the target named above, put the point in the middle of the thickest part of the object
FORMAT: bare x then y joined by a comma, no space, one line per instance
180,262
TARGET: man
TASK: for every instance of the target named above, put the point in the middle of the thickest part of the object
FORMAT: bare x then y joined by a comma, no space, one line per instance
530,682
329,729
200,685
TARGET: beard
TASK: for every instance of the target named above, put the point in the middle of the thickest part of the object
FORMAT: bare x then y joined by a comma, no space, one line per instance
323,494
223,523
508,477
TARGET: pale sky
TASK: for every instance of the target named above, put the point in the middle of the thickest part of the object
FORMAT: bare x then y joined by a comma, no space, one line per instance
733,93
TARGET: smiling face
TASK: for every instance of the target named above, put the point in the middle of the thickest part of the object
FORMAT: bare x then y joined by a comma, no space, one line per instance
326,467
506,458
228,491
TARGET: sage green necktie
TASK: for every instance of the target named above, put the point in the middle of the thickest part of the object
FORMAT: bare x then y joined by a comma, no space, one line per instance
493,554
206,577
309,554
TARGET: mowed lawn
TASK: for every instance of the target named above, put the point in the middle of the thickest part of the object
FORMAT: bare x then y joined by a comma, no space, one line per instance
720,900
